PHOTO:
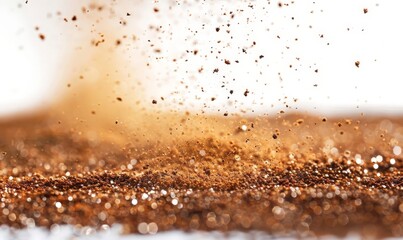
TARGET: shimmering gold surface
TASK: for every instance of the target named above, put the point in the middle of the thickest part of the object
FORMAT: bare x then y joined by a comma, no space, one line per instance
289,175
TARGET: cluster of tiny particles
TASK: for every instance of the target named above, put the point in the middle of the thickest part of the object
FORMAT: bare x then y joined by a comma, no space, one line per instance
163,166
217,57
309,180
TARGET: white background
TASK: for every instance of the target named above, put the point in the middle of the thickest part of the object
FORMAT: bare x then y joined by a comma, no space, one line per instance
31,70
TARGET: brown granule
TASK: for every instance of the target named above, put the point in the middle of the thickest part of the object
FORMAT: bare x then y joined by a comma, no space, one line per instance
309,182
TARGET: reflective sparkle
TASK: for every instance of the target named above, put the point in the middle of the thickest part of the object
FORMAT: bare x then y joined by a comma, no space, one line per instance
397,150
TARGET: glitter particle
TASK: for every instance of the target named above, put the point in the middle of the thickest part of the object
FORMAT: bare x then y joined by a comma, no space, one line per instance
134,201
244,128
202,153
58,204
142,228
397,150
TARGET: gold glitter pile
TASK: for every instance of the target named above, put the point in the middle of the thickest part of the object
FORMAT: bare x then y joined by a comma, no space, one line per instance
135,157
293,175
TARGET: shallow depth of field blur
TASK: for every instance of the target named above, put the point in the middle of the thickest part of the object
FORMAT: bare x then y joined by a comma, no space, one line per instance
93,62
216,57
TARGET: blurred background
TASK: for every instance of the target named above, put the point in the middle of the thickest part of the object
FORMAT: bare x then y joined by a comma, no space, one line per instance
242,57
